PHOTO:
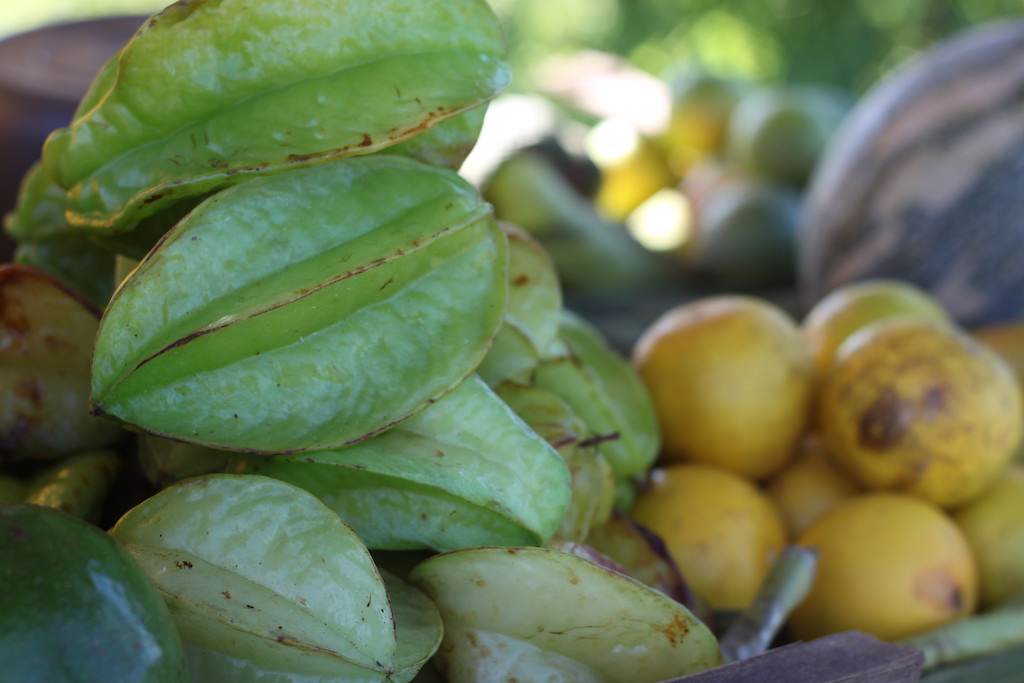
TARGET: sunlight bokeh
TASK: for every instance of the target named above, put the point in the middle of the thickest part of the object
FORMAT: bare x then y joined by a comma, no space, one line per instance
847,44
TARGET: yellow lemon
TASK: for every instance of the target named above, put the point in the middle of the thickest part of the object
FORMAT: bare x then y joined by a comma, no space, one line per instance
809,486
994,526
721,530
699,114
889,564
631,164
853,306
918,406
731,382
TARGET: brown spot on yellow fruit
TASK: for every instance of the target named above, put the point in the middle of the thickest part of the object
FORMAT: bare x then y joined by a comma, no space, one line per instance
884,422
916,405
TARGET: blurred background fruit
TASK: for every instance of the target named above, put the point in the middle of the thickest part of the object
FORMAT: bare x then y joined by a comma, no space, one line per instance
591,253
632,166
780,132
889,564
745,235
932,147
699,113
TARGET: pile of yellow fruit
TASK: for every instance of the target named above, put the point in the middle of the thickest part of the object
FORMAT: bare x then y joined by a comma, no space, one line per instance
875,430
734,159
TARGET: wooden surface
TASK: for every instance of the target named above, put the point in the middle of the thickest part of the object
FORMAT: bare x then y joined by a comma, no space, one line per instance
850,657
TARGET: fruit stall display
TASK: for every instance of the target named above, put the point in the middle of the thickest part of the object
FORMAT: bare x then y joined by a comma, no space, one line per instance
288,397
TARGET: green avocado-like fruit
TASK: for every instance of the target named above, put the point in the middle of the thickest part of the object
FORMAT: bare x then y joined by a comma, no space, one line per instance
75,606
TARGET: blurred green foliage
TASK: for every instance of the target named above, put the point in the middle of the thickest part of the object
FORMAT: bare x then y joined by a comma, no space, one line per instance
847,43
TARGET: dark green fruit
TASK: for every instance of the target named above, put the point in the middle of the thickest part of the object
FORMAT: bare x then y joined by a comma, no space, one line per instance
75,606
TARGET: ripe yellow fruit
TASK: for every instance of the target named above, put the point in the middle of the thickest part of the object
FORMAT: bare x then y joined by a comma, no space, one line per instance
632,167
809,486
721,530
918,406
855,305
731,382
700,110
889,564
994,526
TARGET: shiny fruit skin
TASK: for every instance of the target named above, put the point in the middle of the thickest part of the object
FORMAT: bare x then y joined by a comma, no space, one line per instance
850,307
889,564
731,382
721,530
918,406
75,605
994,526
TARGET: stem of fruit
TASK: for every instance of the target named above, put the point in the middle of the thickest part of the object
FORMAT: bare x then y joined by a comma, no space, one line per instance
785,586
997,630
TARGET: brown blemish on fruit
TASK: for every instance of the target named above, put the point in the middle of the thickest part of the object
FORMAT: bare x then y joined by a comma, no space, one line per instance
15,325
938,589
884,422
156,196
676,630
30,388
21,424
